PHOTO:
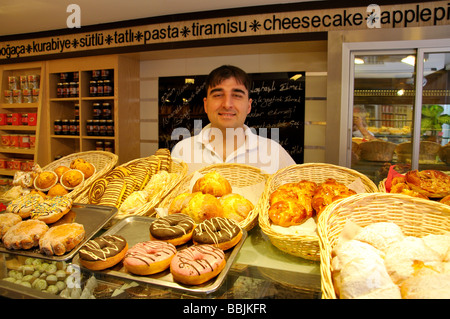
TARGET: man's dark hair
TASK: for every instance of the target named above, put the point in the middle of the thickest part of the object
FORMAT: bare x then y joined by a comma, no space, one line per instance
225,72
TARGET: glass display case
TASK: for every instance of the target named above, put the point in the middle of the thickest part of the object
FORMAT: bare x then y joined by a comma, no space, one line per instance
400,111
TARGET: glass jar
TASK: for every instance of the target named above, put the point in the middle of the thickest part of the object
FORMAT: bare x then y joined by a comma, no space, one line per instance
65,127
108,88
96,111
90,127
93,88
106,111
57,127
100,88
109,127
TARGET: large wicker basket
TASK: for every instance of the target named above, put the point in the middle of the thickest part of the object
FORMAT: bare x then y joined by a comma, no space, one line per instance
103,162
177,166
239,175
428,152
415,216
377,151
305,246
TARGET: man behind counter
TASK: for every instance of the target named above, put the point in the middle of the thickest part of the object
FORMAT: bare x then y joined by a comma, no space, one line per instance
227,139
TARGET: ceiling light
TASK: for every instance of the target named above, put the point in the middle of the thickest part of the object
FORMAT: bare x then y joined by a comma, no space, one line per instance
400,92
410,59
359,61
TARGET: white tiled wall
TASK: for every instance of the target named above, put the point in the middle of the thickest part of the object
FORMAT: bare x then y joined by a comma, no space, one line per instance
314,63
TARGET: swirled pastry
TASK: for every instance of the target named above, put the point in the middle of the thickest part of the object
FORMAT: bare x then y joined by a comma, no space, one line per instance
288,212
431,183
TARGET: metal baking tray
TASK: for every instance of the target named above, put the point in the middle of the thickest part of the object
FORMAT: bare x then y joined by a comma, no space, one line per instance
135,229
92,217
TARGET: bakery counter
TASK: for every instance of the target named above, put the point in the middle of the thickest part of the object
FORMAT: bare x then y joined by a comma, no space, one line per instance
259,271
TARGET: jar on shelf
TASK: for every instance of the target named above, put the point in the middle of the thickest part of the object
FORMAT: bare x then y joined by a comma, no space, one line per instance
96,127
99,146
77,111
110,127
60,90
96,74
65,127
99,87
73,89
90,127
108,89
93,88
109,146
72,127
106,111
102,128
96,111
66,89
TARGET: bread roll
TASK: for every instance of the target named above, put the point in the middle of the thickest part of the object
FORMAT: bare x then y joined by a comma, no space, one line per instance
235,206
203,206
180,202
212,183
380,235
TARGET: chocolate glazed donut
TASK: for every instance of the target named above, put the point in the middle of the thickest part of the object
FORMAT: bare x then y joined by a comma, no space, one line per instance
175,228
221,232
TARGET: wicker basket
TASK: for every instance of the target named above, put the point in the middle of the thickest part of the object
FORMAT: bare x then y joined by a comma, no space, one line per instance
239,175
103,162
177,166
305,246
428,152
444,154
377,151
415,216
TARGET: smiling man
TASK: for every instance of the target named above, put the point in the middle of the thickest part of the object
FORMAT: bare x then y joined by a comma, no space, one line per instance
227,139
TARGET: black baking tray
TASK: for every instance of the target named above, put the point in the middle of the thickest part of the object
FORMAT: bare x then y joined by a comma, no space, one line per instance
135,229
92,217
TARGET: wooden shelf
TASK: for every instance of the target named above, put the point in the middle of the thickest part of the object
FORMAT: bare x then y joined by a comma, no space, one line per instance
17,150
17,128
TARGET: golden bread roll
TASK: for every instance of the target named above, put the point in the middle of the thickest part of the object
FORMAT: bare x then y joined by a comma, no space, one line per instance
212,183
76,162
203,206
86,168
287,213
235,206
60,170
180,202
328,192
57,190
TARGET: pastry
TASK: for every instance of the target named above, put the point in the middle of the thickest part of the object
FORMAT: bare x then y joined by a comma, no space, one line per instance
236,206
431,183
60,170
150,257
179,203
72,178
203,206
7,220
57,190
103,252
220,232
176,229
45,180
52,209
86,168
61,239
197,264
25,234
24,205
212,183
136,200
328,192
288,212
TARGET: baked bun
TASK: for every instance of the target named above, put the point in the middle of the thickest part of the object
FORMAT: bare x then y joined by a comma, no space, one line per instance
287,213
57,190
72,178
328,192
86,168
25,234
212,183
301,192
7,220
60,170
445,200
235,206
61,239
45,180
203,206
180,202
431,183
76,162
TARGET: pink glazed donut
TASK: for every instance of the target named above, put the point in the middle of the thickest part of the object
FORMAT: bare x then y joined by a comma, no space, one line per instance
197,264
149,257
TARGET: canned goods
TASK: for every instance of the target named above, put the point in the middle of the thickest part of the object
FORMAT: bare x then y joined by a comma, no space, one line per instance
8,95
32,119
3,119
13,82
14,141
25,119
15,164
35,95
32,141
17,96
26,96
6,140
3,163
9,119
16,119
33,81
24,141
23,82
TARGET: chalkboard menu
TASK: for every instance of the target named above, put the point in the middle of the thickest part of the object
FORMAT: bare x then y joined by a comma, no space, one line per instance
278,103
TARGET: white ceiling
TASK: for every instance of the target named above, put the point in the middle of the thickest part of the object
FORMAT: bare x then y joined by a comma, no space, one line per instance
25,16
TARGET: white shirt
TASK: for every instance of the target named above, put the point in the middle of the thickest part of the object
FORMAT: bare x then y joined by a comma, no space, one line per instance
258,151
